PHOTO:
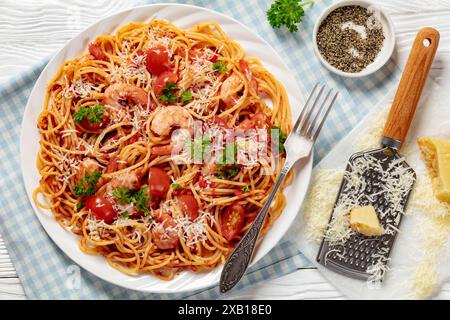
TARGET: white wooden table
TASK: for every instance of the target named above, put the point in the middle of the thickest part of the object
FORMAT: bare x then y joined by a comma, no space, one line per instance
31,30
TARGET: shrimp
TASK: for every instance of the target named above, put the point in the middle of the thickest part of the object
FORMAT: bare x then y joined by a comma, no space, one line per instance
165,235
208,169
87,166
114,165
119,94
245,69
228,90
130,180
169,117
97,52
257,121
162,150
229,87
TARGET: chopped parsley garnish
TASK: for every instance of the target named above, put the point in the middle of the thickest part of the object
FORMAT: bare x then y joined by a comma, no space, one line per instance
287,13
125,215
93,115
168,93
186,96
140,198
86,186
123,196
176,186
220,66
281,138
246,188
227,171
80,206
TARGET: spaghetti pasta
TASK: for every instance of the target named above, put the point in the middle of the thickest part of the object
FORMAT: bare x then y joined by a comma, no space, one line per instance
111,122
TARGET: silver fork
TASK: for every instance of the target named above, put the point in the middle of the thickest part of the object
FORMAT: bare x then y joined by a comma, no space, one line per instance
298,145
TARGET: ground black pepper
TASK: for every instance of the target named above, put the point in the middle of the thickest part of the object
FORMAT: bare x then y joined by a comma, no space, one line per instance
350,38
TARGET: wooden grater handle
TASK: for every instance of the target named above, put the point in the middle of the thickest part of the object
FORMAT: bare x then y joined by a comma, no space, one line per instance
411,85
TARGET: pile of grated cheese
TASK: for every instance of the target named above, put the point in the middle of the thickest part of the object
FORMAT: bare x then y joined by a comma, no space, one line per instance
433,233
320,202
370,137
423,199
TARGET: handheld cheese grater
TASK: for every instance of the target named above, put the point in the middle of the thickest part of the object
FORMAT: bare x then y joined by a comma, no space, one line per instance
380,177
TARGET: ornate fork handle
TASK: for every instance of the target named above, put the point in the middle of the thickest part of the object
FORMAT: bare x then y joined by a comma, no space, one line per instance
239,259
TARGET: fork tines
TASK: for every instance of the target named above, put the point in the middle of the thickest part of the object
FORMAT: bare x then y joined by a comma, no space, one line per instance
316,108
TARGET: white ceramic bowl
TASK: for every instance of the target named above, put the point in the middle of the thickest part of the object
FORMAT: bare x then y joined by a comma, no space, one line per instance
386,50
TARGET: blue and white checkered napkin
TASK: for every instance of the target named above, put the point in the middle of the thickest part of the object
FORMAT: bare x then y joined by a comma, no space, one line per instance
44,269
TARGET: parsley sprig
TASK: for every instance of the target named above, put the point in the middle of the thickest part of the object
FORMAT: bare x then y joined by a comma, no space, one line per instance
287,13
168,93
220,66
123,196
186,96
176,186
86,186
93,114
227,170
140,198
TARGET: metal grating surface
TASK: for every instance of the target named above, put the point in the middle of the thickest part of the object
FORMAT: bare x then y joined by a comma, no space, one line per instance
357,255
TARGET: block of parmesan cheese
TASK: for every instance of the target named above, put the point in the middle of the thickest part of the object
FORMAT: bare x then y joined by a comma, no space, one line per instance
365,221
436,153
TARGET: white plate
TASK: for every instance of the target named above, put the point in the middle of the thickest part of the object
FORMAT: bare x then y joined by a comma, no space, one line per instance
183,16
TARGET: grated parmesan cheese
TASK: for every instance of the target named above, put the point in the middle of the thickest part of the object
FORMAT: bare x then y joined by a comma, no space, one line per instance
192,232
370,137
339,227
80,89
320,201
378,269
68,166
426,280
423,199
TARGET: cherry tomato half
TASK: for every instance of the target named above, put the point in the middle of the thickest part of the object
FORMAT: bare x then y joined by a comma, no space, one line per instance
97,52
94,126
189,205
113,165
258,121
157,60
232,221
158,182
213,58
102,208
162,80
